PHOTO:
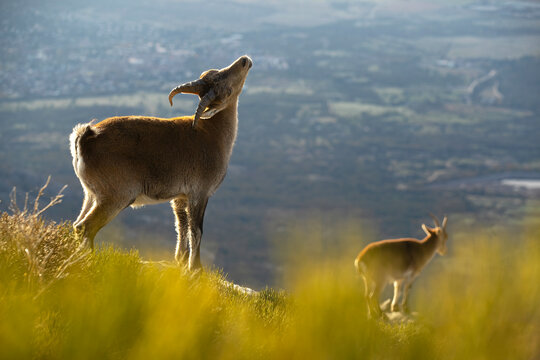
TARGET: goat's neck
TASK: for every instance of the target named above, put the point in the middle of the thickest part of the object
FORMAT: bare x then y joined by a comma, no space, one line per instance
225,125
430,244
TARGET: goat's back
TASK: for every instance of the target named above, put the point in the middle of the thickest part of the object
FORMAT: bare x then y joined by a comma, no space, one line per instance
161,157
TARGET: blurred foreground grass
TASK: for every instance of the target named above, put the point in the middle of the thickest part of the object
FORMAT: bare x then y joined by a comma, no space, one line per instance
58,301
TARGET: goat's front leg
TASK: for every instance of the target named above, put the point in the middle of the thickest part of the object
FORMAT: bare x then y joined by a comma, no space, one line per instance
196,209
406,288
180,208
397,291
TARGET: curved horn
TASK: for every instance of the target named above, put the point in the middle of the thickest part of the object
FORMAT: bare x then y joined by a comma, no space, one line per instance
435,220
203,104
193,87
444,222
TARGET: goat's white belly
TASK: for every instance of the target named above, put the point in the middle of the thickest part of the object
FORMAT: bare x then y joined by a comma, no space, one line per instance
407,275
142,200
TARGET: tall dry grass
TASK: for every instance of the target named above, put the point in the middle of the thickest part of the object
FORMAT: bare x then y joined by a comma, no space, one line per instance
59,302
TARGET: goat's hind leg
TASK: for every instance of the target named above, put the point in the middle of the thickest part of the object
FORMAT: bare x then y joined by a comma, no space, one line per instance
373,292
88,202
376,294
367,292
102,211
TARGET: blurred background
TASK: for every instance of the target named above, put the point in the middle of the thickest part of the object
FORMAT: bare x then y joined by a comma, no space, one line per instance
357,117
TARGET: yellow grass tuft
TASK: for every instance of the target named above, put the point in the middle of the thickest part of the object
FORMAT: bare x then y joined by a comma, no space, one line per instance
59,302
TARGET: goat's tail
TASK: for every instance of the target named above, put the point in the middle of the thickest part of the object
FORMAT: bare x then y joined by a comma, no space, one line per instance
361,269
360,266
78,137
357,264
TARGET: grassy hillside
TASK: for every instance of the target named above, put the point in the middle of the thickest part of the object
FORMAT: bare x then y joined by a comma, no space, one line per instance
58,301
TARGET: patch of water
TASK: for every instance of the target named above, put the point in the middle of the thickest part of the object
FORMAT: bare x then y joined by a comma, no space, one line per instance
522,183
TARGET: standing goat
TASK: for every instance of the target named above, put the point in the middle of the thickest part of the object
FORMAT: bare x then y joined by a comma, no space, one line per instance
398,261
139,160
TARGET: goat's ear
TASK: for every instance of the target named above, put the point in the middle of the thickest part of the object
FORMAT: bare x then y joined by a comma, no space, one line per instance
427,230
213,110
208,72
224,96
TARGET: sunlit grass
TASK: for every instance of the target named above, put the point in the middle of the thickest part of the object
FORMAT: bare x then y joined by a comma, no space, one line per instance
478,302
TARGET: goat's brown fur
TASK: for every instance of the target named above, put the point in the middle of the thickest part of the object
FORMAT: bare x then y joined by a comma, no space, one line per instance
139,160
397,261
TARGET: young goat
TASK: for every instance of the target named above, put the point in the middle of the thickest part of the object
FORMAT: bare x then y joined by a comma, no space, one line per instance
398,261
139,160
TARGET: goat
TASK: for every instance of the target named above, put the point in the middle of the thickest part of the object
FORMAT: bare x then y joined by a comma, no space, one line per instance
139,160
398,261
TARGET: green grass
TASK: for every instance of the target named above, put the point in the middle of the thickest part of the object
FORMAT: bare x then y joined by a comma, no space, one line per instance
58,301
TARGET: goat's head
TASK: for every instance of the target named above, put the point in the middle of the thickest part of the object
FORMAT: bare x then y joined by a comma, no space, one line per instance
216,88
440,231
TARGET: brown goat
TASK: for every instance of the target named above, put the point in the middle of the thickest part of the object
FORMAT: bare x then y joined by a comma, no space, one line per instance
139,160
398,261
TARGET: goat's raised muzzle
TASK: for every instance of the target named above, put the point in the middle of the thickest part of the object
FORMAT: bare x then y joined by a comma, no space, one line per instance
246,61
